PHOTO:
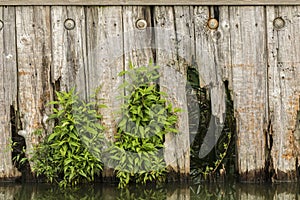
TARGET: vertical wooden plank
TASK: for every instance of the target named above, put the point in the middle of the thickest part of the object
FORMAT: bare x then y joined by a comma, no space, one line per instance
105,62
185,36
34,62
249,73
185,45
173,82
137,42
69,49
284,90
205,48
210,59
222,40
8,89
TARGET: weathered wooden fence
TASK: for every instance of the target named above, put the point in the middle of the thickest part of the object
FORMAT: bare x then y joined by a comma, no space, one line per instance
255,48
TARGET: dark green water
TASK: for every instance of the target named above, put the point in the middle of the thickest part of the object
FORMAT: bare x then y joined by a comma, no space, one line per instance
286,191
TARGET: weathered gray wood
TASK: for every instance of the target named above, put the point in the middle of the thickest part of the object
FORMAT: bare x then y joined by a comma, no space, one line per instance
34,62
137,42
104,41
173,82
210,75
185,46
284,91
8,89
222,39
153,2
69,49
249,80
105,62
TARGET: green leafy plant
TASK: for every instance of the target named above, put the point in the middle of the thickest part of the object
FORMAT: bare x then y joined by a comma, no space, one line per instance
211,168
71,154
19,159
220,160
137,152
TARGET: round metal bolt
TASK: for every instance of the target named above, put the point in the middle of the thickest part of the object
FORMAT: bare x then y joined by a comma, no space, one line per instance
69,24
278,23
1,25
213,23
141,24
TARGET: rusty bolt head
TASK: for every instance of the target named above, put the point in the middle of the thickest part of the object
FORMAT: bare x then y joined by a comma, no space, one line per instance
278,23
213,23
141,24
1,25
69,24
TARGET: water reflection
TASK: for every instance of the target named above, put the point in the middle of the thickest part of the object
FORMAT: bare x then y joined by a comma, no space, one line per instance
243,191
214,191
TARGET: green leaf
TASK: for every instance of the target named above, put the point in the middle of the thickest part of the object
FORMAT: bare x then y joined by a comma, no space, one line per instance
52,136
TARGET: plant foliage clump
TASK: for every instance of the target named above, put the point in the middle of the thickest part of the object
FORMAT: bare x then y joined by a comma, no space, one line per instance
137,152
220,161
71,154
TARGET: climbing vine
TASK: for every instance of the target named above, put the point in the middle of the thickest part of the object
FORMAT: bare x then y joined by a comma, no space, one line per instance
220,160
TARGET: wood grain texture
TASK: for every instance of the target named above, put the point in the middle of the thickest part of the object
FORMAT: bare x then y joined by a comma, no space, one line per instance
34,62
105,62
137,42
153,2
69,49
223,42
173,82
284,91
8,89
260,63
249,80
210,75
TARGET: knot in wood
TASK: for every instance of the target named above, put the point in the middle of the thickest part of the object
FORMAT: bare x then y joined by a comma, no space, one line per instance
213,23
69,24
141,24
278,23
1,25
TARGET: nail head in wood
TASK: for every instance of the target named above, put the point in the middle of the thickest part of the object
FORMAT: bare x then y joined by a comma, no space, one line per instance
141,24
1,25
278,23
213,23
69,24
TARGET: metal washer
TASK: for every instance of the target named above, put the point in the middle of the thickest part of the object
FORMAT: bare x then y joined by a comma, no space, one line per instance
69,24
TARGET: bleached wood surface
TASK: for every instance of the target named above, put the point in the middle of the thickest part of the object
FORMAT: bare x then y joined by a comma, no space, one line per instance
153,2
284,90
8,90
33,36
105,62
173,82
260,63
249,79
